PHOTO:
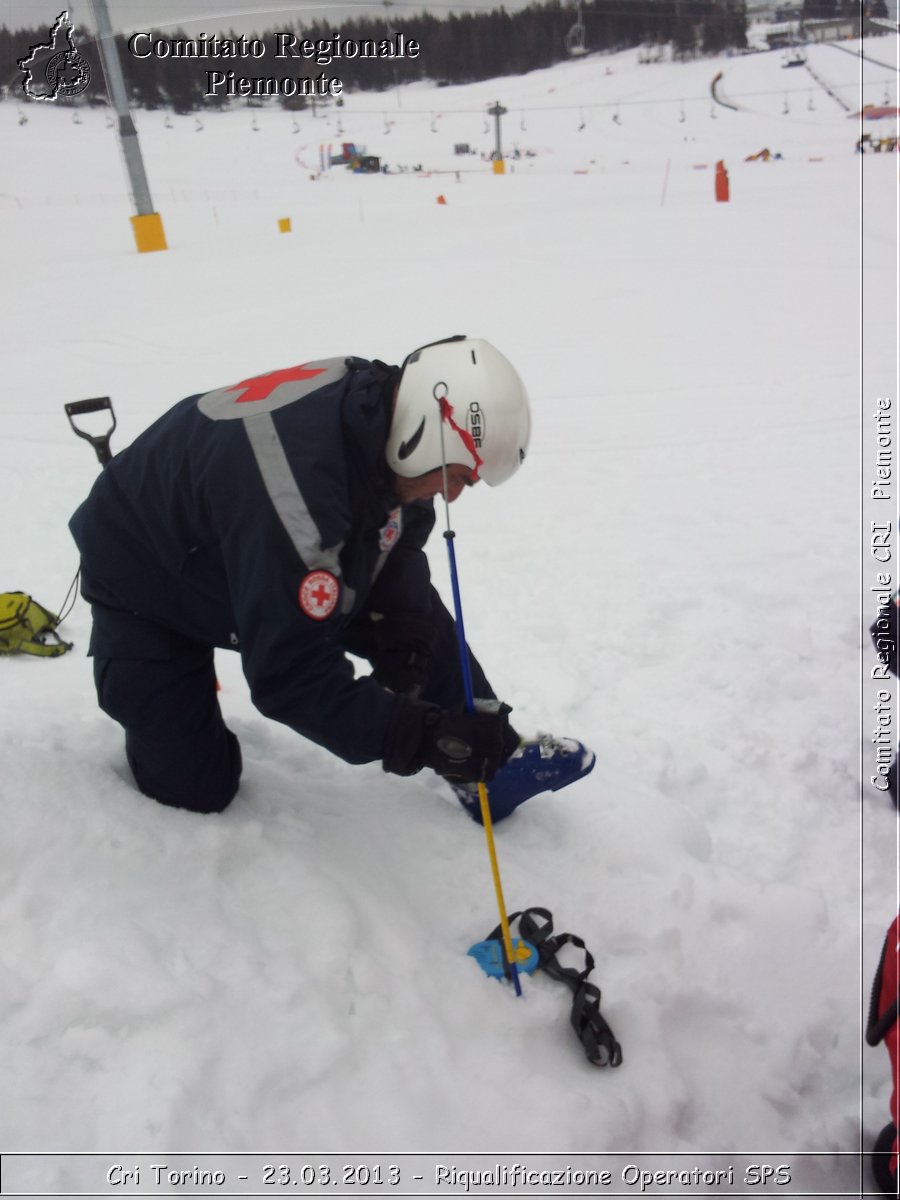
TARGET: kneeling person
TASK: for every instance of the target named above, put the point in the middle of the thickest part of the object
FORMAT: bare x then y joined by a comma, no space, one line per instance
285,517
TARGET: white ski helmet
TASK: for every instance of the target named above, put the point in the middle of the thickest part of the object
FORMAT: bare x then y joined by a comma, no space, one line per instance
466,389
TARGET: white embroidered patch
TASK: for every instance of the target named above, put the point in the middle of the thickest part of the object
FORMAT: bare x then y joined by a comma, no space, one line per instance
319,595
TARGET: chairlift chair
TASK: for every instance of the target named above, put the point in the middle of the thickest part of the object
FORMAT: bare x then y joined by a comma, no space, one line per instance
575,46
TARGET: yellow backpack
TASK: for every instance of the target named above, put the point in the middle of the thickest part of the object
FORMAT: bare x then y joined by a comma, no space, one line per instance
26,627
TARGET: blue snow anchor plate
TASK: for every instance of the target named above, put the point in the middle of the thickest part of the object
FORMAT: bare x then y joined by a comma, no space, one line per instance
491,958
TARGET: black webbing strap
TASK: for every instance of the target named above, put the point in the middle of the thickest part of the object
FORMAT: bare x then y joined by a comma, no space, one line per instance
595,1035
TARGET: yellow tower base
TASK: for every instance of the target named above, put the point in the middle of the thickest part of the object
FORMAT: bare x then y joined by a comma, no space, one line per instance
499,166
149,233
284,224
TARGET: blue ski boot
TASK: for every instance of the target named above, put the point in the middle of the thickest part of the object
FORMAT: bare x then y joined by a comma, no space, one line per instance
546,764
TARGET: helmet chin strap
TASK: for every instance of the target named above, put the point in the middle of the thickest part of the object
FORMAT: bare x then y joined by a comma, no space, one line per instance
464,436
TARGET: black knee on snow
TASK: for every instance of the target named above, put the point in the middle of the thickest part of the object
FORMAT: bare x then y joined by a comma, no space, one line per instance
211,790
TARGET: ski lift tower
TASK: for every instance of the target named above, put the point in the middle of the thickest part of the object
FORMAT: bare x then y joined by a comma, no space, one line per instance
147,224
575,46
497,112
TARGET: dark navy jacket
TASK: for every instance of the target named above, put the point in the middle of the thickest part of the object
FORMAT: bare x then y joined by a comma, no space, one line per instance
223,518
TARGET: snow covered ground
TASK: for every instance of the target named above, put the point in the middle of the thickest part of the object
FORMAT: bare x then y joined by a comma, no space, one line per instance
675,577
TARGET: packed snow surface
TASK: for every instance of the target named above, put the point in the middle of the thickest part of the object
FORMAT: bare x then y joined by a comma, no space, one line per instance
673,577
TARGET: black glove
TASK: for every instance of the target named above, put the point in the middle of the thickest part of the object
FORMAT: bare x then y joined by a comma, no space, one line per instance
403,654
465,747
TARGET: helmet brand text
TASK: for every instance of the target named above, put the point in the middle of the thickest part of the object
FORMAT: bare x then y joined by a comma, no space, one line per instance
475,422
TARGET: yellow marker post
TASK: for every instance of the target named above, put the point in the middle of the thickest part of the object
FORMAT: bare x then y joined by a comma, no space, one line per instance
149,233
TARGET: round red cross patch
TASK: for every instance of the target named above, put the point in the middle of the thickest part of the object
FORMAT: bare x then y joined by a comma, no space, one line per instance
319,594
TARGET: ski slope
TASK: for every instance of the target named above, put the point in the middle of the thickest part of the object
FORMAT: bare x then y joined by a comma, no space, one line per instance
674,577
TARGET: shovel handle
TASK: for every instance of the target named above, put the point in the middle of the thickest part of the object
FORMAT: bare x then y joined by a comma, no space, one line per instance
100,442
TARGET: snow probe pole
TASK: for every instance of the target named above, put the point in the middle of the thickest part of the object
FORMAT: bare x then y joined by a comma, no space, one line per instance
468,690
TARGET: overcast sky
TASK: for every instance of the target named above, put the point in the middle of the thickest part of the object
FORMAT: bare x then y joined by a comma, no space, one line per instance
216,16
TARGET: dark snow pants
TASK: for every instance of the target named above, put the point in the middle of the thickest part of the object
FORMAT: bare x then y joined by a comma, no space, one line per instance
161,687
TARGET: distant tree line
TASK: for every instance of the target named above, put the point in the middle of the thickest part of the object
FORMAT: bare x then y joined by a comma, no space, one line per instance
819,10
454,49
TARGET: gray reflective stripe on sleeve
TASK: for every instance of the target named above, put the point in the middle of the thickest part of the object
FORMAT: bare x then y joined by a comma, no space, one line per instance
288,502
